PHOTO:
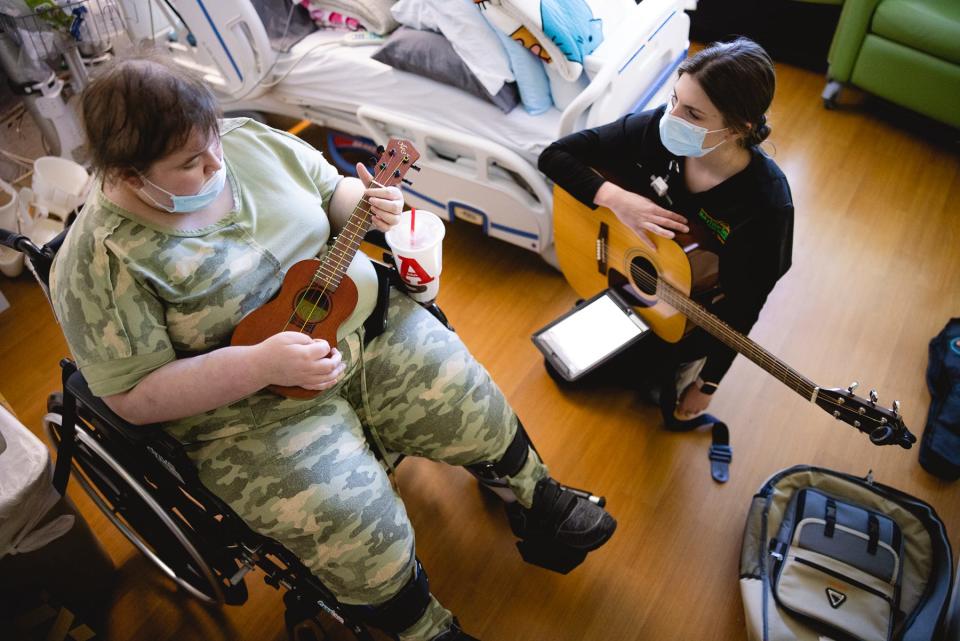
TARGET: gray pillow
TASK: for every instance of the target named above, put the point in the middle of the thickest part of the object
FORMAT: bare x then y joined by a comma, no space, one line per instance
429,54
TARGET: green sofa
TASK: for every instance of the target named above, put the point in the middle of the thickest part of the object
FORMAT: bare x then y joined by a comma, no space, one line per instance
906,51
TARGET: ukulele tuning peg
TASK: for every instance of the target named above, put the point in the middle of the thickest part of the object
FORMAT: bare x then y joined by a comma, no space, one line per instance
393,152
414,167
396,173
380,149
406,182
854,385
382,166
896,408
873,396
405,159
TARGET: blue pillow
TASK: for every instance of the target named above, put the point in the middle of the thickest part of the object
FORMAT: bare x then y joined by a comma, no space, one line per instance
531,77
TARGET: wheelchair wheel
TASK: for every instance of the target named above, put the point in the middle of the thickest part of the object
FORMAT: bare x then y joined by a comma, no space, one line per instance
134,511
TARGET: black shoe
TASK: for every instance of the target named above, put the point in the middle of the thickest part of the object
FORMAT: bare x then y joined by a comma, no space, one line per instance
563,517
454,633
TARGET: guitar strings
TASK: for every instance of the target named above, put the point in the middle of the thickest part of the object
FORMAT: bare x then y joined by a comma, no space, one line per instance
328,281
695,312
800,384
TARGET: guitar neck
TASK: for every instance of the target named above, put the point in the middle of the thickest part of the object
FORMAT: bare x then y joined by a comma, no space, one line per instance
737,341
345,247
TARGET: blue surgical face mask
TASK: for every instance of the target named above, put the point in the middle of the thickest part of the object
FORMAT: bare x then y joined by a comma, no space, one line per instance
682,138
187,204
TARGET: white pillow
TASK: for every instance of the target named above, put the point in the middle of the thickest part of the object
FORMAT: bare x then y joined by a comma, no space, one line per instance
563,90
472,38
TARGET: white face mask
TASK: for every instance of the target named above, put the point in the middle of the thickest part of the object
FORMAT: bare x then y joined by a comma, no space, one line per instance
187,204
682,138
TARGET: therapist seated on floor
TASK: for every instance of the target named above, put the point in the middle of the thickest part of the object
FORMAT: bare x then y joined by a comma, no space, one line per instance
721,186
193,224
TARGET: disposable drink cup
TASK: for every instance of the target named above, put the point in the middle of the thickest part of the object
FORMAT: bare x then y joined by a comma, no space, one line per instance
417,249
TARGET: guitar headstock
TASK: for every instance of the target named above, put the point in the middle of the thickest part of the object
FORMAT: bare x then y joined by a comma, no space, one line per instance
883,426
395,160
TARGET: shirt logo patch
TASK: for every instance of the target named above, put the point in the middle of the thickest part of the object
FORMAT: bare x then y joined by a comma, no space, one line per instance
720,227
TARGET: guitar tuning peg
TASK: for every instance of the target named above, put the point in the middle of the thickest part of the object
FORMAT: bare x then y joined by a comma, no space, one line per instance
896,408
414,167
380,149
854,385
873,396
406,182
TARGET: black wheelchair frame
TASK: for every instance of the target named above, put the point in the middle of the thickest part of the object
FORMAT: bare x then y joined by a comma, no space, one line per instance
144,483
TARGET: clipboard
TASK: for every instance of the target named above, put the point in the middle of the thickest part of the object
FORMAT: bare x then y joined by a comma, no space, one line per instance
590,334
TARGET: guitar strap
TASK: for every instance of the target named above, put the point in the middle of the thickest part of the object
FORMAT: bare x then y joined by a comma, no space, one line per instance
720,453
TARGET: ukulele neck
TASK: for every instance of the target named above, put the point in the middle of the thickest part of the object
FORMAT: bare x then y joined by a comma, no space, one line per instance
345,247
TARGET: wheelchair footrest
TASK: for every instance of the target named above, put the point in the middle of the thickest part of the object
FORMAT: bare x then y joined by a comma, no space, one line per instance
550,555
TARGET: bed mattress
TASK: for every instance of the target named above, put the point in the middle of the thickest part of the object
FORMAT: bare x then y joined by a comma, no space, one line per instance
333,76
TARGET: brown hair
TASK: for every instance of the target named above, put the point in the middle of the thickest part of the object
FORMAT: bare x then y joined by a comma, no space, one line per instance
140,110
739,79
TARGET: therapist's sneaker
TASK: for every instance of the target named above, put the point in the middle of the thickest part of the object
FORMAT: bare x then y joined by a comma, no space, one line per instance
561,516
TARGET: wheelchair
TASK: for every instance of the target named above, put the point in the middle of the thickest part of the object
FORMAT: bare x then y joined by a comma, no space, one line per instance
145,484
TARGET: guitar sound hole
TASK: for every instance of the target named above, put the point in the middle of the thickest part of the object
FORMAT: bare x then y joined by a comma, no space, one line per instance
312,306
644,275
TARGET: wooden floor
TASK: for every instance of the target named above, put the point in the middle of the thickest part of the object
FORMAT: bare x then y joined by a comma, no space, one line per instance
876,274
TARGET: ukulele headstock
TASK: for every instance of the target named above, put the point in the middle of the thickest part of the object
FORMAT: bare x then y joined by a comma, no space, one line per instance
395,160
884,426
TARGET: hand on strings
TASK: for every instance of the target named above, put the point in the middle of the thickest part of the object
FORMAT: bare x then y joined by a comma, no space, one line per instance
294,359
386,203
640,214
692,402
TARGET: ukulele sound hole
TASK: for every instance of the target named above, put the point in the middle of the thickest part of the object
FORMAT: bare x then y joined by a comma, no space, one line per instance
312,306
644,275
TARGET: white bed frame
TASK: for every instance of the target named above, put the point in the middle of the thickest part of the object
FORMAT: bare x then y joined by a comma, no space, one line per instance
472,178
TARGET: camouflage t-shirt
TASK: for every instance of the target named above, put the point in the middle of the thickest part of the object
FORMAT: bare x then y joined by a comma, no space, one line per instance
132,296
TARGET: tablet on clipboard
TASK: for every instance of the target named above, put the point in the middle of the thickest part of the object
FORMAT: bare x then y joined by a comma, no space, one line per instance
590,334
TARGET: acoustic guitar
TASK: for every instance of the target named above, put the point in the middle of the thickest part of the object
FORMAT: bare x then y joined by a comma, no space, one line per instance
596,251
316,296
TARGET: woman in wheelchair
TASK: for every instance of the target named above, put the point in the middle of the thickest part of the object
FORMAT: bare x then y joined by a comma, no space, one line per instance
193,224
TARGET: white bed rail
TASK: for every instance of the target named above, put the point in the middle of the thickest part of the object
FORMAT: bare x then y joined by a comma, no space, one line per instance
453,160
630,59
232,47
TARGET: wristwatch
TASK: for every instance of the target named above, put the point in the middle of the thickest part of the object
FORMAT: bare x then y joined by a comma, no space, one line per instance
706,387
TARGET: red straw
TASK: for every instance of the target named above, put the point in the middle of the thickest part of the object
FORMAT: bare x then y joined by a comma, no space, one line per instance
413,218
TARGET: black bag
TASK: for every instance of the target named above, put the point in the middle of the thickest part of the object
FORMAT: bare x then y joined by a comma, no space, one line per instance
940,447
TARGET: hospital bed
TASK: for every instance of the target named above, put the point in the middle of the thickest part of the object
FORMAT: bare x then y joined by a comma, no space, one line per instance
479,164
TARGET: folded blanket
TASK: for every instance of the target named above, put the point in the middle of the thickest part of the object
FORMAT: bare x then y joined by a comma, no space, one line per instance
373,14
561,32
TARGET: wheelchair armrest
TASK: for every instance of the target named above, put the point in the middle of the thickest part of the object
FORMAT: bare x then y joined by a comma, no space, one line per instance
167,449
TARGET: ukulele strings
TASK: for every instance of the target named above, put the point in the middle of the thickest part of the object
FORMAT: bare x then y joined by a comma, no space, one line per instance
329,277
774,365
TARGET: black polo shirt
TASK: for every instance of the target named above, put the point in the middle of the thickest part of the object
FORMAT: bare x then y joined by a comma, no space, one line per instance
748,217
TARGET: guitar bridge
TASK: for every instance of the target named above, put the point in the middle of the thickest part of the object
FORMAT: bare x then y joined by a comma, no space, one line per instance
602,252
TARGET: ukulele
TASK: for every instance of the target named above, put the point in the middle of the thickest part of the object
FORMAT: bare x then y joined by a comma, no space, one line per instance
316,296
596,251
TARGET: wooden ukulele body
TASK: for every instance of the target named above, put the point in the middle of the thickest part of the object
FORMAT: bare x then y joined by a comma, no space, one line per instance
303,304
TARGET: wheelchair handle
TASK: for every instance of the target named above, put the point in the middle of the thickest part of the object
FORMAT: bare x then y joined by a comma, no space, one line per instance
22,244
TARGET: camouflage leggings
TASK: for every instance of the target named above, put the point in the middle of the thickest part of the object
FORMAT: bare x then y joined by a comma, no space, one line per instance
312,481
